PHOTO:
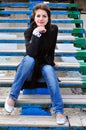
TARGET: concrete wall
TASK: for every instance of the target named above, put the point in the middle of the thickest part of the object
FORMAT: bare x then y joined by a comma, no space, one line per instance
81,4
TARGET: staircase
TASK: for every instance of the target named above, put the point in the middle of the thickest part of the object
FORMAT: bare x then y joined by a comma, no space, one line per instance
33,108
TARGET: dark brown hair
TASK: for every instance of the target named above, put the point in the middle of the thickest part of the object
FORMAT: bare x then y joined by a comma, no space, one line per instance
45,8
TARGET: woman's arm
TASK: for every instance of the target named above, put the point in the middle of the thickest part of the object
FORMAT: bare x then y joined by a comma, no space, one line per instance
50,55
32,43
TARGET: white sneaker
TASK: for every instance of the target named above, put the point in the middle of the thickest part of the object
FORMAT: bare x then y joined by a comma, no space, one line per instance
7,107
61,120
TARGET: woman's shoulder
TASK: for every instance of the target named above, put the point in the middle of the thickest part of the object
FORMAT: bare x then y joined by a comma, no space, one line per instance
54,27
28,31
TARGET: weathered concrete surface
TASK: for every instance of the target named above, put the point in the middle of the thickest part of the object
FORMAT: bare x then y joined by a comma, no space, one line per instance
81,4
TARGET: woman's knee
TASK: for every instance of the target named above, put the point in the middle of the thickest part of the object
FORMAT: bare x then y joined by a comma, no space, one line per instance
47,68
29,60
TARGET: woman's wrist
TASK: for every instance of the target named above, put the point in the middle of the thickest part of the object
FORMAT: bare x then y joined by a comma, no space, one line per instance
36,33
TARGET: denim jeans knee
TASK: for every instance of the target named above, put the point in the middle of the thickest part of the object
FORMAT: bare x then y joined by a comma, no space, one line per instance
53,86
25,69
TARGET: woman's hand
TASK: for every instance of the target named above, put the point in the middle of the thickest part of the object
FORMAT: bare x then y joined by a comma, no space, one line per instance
40,29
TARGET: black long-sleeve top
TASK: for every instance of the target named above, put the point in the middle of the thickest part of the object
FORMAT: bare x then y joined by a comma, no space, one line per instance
41,49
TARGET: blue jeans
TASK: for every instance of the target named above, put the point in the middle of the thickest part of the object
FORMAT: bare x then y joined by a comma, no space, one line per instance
25,69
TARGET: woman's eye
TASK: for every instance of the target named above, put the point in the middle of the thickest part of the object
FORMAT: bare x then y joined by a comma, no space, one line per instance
44,16
38,16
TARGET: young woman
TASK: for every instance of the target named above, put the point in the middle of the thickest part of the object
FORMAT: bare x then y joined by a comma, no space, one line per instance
40,44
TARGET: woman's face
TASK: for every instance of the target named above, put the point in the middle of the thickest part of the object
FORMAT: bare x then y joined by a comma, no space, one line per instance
41,17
